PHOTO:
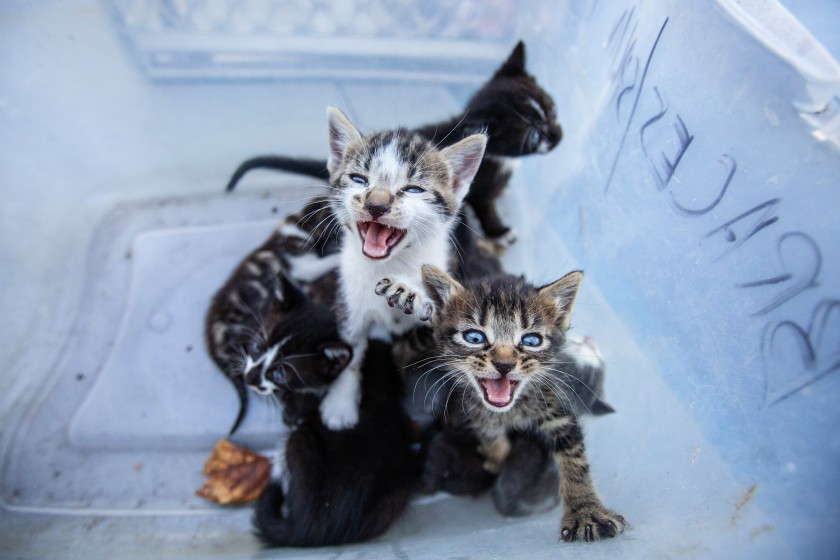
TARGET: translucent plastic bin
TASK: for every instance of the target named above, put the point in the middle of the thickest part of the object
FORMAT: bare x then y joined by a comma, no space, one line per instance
696,184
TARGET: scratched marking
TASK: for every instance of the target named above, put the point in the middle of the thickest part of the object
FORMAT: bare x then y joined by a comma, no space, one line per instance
796,267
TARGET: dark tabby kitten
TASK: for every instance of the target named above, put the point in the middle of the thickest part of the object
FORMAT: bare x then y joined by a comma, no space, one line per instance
518,117
247,323
501,338
350,485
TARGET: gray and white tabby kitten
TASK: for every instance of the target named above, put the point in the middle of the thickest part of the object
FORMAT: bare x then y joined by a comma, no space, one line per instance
500,339
518,116
247,328
397,198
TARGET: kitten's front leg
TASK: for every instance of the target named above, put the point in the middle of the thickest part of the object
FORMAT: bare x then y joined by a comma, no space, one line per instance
340,407
584,516
403,294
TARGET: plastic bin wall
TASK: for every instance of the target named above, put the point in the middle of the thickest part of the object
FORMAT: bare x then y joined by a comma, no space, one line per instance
696,186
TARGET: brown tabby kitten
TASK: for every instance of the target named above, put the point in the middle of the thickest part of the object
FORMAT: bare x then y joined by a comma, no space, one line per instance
500,339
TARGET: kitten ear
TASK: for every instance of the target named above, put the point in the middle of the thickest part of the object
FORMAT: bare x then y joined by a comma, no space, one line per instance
464,158
342,133
439,285
564,292
515,64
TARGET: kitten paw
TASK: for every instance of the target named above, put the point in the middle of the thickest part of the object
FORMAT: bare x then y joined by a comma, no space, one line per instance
338,414
507,239
402,296
591,523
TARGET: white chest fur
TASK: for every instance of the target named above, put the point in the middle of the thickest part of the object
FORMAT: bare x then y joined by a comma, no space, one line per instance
359,276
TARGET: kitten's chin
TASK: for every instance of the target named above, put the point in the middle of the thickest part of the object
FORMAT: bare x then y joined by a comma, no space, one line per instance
378,240
498,393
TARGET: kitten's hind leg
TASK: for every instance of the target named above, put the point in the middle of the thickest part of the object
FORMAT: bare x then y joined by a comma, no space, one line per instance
584,516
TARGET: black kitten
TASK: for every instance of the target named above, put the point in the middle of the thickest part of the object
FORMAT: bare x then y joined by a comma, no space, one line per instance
511,108
349,485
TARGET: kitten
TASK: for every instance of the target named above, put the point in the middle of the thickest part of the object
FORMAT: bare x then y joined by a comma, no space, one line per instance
397,199
528,478
585,368
249,310
500,339
350,485
518,117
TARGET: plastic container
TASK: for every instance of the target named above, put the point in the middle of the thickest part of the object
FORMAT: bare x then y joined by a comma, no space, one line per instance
696,185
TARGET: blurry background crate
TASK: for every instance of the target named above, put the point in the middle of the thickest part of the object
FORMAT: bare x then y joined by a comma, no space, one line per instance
449,40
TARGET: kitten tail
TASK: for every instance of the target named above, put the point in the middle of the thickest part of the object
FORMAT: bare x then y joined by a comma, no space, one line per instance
271,527
242,393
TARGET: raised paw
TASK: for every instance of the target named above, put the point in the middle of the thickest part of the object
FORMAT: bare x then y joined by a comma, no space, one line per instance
402,296
591,523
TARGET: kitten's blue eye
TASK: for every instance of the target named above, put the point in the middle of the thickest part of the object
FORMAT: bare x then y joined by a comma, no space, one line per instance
359,179
474,336
531,340
414,189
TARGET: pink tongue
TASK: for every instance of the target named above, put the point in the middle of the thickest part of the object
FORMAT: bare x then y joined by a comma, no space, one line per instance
376,240
498,390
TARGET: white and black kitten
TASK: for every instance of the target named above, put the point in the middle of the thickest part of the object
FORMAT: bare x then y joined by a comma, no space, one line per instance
248,319
349,485
500,339
396,198
518,117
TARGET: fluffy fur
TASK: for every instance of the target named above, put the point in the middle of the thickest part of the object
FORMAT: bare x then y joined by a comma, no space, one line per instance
247,325
501,341
345,486
518,117
396,198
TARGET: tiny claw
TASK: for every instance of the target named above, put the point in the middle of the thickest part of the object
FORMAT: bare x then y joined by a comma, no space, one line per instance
394,299
381,286
564,534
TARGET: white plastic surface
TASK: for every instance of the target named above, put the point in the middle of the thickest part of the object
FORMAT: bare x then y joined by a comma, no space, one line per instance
688,186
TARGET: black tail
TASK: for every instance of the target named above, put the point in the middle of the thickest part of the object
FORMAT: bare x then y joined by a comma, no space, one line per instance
242,393
272,528
301,166
348,519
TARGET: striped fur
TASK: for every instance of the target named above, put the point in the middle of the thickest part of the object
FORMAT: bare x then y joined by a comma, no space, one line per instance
291,275
501,341
396,198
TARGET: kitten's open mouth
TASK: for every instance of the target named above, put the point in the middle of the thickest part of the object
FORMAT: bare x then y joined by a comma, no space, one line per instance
378,239
498,392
